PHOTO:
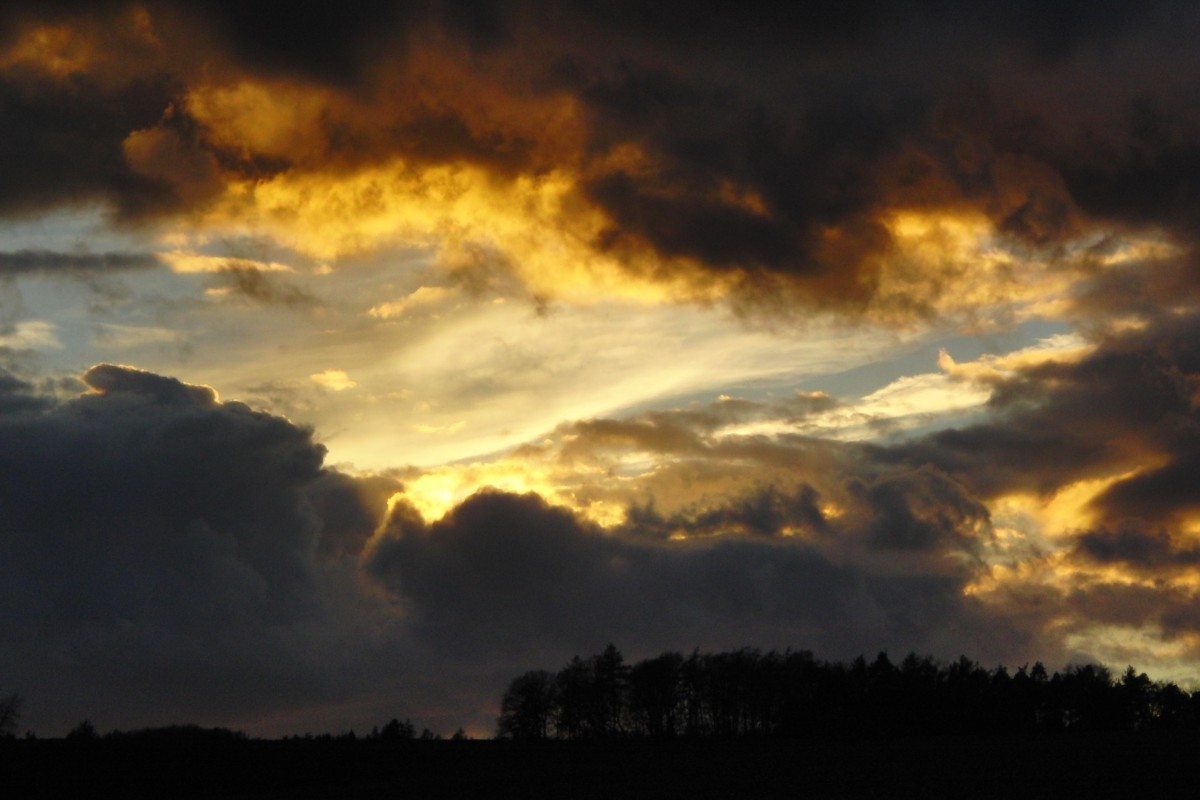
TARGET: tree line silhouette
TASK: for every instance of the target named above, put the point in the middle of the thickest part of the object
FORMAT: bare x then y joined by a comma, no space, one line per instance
748,693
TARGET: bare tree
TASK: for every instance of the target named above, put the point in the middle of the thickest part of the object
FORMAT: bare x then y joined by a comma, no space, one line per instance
10,714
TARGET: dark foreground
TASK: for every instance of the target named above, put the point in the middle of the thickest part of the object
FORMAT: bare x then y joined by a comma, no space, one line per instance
1078,766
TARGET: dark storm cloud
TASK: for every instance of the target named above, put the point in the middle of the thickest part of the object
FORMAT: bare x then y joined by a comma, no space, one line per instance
509,574
166,556
1137,545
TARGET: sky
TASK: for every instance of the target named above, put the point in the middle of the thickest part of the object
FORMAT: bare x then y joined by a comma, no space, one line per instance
356,359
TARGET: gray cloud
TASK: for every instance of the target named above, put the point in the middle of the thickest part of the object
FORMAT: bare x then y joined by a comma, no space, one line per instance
46,262
259,287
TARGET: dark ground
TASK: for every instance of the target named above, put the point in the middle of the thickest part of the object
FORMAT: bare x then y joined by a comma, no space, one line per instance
1146,766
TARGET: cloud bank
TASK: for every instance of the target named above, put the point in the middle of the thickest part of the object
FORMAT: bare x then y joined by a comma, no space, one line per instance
780,160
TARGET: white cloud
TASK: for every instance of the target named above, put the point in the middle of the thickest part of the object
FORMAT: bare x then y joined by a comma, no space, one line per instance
33,334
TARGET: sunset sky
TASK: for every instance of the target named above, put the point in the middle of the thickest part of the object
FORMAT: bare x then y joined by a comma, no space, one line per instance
357,358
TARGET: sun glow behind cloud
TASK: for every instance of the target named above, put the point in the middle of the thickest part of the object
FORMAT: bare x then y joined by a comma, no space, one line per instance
531,223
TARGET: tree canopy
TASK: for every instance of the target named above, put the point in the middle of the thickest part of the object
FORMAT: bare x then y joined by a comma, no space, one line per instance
743,693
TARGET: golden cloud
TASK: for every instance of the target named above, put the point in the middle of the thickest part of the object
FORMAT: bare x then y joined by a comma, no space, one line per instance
334,379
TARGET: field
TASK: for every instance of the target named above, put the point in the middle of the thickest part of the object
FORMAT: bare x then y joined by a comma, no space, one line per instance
1093,767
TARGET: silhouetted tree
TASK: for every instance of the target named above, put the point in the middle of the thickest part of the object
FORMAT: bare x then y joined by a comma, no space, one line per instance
576,695
692,675
395,731
612,681
968,697
1171,709
806,693
1082,698
529,706
83,732
10,714
1134,699
591,696
746,693
730,687
654,695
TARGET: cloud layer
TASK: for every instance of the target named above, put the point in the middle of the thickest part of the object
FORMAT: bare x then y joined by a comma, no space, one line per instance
753,154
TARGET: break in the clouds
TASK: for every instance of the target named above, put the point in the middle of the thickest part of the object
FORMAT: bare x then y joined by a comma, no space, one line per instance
840,326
